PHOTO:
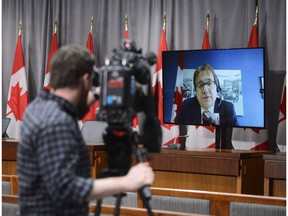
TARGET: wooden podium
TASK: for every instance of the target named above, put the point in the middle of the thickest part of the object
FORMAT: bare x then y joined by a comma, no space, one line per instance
231,171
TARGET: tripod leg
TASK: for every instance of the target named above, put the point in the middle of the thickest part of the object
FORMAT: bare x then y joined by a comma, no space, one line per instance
117,206
98,207
143,193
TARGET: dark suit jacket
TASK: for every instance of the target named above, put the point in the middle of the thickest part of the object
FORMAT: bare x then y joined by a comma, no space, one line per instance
190,112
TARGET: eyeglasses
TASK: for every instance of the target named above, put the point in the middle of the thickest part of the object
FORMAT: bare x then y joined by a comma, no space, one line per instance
209,84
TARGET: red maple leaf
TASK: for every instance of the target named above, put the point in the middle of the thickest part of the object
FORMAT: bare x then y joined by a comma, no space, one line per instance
17,102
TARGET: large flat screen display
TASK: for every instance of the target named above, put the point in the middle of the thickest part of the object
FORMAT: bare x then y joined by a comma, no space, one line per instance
223,87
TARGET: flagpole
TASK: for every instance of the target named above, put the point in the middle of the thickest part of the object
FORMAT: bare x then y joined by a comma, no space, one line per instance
256,15
126,22
91,24
20,28
207,21
164,21
55,26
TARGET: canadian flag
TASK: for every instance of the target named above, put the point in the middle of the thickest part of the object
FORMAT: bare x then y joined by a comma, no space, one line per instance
251,138
18,93
281,130
205,133
178,92
52,51
170,132
135,123
91,115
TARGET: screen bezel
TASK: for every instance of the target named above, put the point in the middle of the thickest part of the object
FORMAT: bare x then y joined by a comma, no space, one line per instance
171,71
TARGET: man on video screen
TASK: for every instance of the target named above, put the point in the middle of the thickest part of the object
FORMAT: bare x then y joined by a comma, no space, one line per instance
205,108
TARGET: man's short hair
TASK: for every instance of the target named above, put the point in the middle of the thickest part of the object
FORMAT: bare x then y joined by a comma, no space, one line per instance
69,64
205,67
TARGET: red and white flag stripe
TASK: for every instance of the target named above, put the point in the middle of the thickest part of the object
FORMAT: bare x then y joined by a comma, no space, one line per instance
170,132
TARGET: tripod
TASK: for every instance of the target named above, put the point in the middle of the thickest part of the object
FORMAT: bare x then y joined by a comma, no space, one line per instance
120,141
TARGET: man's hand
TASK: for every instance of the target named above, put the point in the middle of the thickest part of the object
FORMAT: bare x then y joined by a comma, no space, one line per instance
138,176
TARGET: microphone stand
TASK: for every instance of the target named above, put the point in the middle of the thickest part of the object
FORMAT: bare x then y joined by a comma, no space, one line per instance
175,145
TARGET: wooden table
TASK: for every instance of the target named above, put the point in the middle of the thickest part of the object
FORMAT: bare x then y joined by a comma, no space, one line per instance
275,174
229,171
97,156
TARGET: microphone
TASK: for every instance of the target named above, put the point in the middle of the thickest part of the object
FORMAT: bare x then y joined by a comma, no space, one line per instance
212,118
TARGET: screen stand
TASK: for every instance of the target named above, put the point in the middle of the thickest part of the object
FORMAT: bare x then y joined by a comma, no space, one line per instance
223,137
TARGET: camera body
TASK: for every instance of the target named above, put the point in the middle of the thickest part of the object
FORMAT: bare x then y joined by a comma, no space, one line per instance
117,97
121,78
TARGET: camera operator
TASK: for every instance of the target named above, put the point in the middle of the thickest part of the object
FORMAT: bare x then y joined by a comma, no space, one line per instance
52,159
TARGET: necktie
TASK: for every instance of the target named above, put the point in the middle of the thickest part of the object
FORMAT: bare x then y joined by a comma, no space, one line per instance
205,118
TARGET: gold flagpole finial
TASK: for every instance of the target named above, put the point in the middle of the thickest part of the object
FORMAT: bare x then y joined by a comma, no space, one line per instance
207,19
91,24
126,22
55,26
256,15
164,21
20,28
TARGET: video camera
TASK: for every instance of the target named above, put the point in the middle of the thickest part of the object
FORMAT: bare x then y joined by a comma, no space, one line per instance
121,79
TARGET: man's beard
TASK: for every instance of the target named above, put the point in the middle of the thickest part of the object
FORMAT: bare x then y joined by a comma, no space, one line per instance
83,110
83,106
